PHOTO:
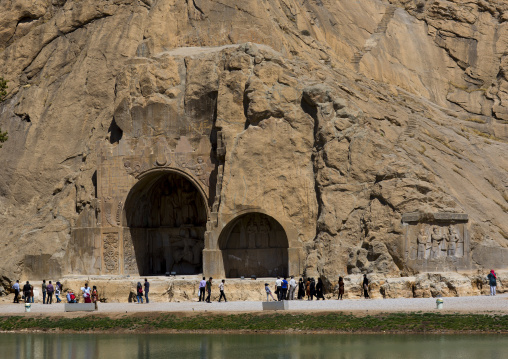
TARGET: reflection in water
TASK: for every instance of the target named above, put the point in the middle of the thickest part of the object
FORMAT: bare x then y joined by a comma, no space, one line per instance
154,346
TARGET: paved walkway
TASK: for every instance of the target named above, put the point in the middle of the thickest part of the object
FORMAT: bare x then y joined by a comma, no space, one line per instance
478,304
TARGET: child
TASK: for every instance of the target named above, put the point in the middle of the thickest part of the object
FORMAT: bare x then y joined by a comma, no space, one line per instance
95,296
268,293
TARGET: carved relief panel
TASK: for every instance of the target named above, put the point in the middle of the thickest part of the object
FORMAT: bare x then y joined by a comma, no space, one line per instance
110,252
436,242
130,265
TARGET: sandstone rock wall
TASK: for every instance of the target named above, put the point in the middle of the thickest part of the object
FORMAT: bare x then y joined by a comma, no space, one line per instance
346,116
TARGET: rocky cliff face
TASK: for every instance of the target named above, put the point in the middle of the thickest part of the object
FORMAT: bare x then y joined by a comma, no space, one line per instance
344,117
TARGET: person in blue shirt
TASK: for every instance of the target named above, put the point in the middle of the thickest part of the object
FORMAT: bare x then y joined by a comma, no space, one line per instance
492,282
284,288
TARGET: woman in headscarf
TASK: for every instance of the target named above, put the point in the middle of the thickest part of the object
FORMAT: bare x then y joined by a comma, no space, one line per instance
312,288
320,290
301,289
365,286
492,281
341,288
139,292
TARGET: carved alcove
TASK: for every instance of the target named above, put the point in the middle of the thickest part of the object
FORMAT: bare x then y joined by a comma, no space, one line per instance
254,244
166,219
436,241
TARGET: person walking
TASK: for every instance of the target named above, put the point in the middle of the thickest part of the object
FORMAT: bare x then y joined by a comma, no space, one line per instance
268,292
312,288
365,286
26,292
292,288
221,288
147,289
492,281
202,288
44,291
139,293
15,286
320,289
86,293
208,289
301,289
278,288
50,290
307,288
341,288
284,288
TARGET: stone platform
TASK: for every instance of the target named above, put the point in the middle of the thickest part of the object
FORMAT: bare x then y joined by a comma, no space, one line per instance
80,307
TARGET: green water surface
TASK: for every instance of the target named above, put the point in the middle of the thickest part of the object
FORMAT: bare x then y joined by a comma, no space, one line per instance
244,346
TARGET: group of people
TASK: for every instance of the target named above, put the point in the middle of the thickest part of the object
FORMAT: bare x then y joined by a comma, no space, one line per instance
139,292
49,290
206,286
27,292
285,290
308,288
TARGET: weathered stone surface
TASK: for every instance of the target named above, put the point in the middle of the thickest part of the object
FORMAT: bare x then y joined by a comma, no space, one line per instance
334,119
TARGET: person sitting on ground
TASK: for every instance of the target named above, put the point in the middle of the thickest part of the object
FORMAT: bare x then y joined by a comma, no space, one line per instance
26,292
71,297
320,290
268,292
86,293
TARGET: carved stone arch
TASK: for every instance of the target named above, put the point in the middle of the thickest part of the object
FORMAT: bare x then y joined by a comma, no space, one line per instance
155,172
254,243
164,219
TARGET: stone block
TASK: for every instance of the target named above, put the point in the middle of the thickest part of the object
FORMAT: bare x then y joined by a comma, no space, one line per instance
80,307
282,305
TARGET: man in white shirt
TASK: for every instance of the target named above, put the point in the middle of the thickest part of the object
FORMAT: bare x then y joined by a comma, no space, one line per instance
292,287
15,286
278,284
221,288
202,286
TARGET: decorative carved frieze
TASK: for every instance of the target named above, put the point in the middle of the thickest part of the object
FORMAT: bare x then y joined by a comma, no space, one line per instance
110,252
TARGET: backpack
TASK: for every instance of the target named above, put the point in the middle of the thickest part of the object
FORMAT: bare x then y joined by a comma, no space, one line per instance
73,296
140,290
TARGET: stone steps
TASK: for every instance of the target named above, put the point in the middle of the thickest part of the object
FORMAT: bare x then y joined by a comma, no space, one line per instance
378,33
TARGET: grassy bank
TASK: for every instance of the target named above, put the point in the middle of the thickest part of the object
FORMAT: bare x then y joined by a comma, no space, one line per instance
334,322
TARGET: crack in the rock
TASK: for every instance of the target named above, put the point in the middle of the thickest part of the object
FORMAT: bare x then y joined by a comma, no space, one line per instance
59,34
